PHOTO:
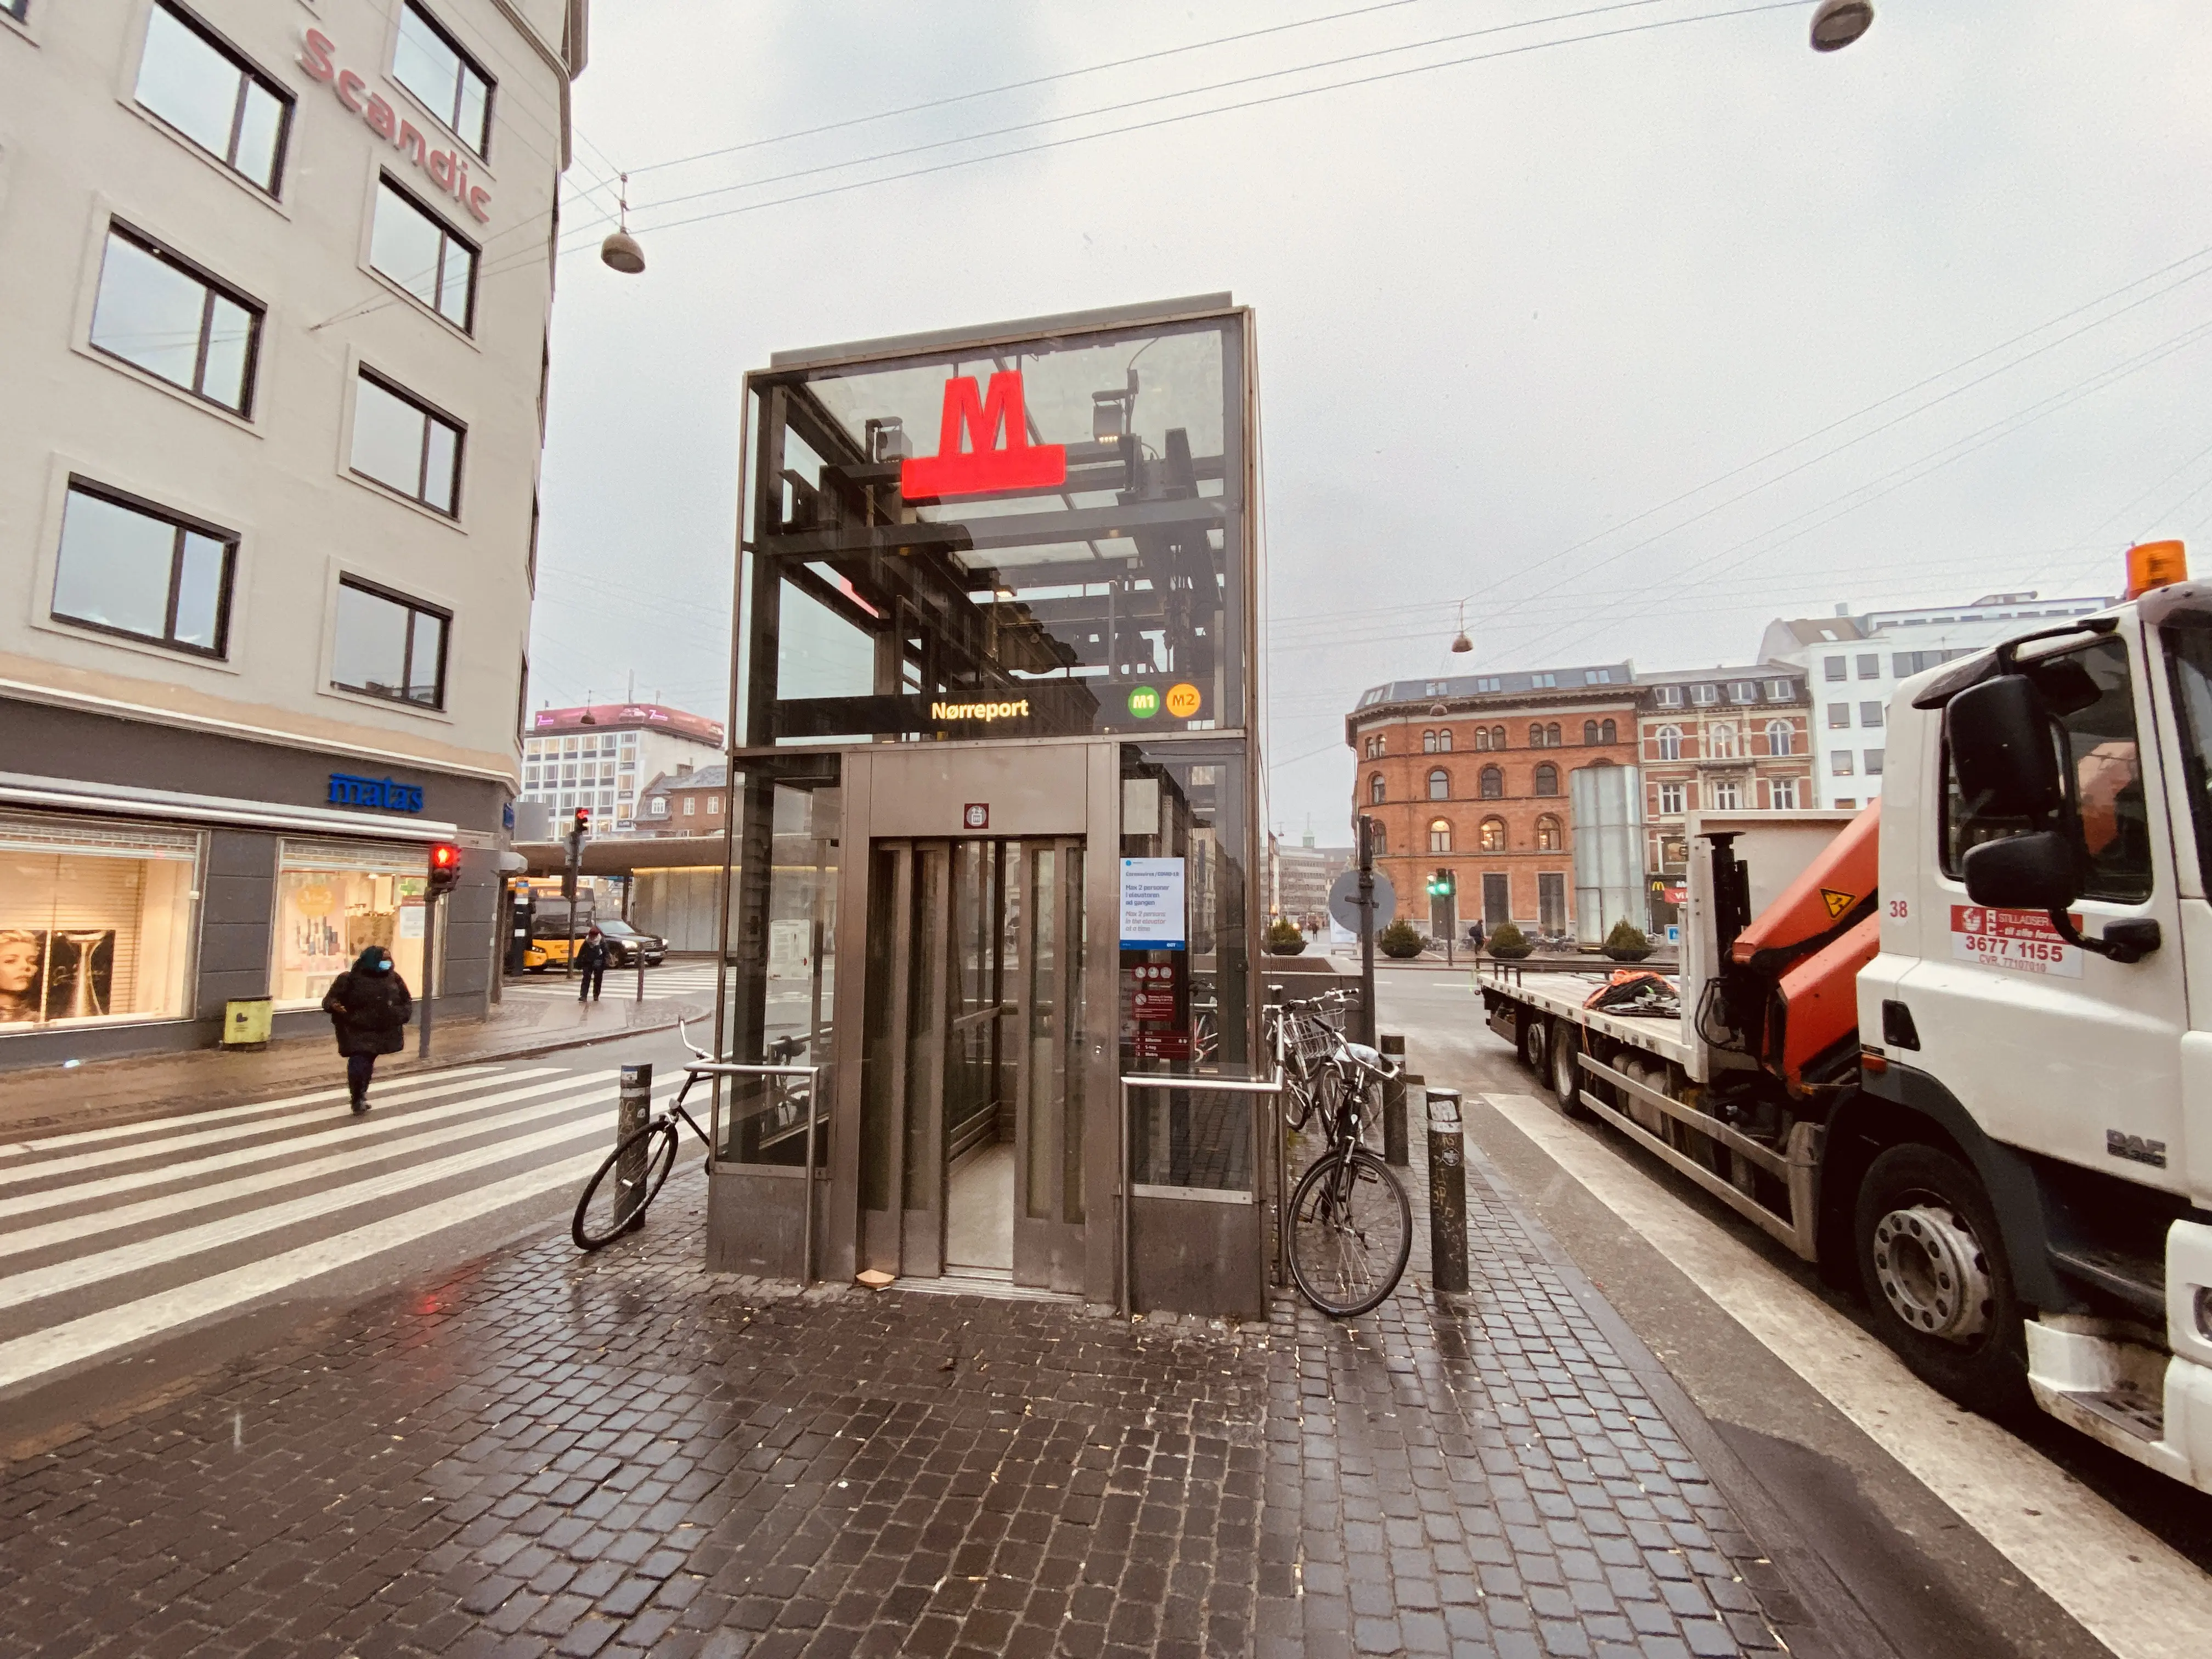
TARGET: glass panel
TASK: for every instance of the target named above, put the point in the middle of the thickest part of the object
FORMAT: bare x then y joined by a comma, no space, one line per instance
441,470
969,1059
1070,559
880,1078
423,63
405,243
370,654
388,438
91,935
924,1023
188,83
115,566
149,311
1045,1059
230,335
474,121
199,592
1191,1137
460,275
425,671
1200,819
261,137
1071,1110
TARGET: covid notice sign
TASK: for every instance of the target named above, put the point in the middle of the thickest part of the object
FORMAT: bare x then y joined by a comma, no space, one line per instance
2023,941
1152,905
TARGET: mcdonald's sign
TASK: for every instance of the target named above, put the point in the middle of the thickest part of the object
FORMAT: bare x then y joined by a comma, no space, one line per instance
999,455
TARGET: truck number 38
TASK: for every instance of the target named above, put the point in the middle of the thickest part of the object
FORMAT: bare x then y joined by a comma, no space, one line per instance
1900,908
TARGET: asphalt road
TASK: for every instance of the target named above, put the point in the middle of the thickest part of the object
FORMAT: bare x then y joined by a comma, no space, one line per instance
1955,1535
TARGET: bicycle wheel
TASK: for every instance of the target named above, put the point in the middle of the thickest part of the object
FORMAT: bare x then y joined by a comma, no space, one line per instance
1351,1232
613,1203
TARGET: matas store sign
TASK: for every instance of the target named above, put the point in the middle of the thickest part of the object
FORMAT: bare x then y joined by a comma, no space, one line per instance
448,169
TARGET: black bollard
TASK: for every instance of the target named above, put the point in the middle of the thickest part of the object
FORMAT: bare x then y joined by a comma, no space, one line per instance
1395,1148
1447,1192
636,1098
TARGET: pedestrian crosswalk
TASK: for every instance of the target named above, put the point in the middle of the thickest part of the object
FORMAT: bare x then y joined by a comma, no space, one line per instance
115,1237
694,981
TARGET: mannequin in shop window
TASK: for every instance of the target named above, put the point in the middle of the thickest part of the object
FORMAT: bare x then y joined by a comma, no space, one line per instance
369,1004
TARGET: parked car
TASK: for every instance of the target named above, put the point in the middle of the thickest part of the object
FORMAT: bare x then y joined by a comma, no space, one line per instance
625,945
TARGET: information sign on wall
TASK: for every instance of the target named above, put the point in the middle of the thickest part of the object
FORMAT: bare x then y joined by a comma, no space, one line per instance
1152,915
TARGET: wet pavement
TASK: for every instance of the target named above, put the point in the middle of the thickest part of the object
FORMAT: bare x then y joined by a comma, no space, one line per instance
549,1453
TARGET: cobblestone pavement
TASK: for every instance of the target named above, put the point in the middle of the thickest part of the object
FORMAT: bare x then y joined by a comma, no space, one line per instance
548,1453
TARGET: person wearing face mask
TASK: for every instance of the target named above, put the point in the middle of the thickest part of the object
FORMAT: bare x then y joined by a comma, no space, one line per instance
370,1006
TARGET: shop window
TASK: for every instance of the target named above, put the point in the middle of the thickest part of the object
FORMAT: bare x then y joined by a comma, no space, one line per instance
1548,836
402,443
1493,835
334,900
388,646
430,63
128,568
206,91
1439,785
1493,783
161,313
1669,739
422,253
1439,836
1375,790
1547,780
95,922
1779,737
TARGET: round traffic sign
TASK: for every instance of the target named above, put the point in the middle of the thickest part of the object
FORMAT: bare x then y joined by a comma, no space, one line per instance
1344,901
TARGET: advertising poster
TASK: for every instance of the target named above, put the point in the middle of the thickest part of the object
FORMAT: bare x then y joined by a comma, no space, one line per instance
1152,905
23,976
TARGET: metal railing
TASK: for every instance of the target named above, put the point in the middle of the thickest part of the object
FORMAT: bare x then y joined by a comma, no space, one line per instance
1194,1083
722,1068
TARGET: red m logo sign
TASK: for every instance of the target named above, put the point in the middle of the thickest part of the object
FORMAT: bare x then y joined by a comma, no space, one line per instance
999,456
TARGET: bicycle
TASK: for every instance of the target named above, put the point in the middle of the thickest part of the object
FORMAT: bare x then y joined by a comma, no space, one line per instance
616,1197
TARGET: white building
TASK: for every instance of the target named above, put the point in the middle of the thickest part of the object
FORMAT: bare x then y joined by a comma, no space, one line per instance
1853,663
601,757
279,278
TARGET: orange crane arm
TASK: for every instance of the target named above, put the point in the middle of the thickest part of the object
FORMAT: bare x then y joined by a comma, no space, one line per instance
1823,900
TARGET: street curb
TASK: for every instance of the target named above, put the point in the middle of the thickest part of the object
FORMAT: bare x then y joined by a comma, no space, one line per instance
1829,1623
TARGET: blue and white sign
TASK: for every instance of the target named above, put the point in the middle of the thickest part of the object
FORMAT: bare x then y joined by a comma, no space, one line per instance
1152,905
383,793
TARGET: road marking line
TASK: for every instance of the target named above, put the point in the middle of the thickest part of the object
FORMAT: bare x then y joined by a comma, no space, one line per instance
373,1136
338,1122
2139,1597
78,1271
26,1356
155,1126
27,1239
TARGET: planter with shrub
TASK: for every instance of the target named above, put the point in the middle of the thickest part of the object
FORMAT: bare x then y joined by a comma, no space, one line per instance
1627,942
1283,938
1508,943
1400,940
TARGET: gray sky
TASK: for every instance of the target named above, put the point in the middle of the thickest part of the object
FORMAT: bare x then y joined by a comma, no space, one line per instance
1509,310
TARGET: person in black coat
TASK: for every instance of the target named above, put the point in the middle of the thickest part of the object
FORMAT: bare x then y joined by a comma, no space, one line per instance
591,964
370,1006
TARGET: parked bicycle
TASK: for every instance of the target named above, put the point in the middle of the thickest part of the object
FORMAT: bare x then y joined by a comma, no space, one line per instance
1351,1224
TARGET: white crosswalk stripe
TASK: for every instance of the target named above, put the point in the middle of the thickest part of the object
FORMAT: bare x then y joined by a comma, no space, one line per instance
693,981
119,1235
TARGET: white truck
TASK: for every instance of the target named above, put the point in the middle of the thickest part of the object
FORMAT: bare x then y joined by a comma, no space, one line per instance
1957,1047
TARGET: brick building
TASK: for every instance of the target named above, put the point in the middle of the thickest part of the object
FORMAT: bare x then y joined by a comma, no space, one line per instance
688,801
1470,776
1719,740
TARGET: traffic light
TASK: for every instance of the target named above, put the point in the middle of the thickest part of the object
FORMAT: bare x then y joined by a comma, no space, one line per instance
582,826
445,867
1442,884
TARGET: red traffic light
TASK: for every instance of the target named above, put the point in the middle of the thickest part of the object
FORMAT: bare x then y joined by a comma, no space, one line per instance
445,866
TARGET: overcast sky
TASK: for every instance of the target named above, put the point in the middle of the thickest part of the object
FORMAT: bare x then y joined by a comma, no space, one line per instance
1531,328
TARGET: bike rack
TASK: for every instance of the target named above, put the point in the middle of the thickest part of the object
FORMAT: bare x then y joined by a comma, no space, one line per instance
813,1076
1200,1083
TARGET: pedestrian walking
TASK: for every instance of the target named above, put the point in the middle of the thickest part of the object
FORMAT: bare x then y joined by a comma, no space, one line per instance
592,963
370,1006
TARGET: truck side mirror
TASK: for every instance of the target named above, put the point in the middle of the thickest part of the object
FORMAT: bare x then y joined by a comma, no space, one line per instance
2034,872
1999,734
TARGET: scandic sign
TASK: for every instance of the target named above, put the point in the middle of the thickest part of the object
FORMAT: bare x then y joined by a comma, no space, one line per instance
1000,456
448,169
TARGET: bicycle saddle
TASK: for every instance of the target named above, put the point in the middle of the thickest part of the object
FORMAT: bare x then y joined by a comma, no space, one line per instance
1364,1055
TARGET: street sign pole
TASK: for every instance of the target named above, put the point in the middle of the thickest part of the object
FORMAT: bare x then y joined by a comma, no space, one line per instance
430,975
1367,930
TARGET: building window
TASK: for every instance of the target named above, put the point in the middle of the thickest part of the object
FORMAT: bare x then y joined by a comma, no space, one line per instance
1670,799
214,97
1783,794
1443,743
127,567
1607,732
1378,837
1428,743
1597,677
1547,780
1743,691
400,442
18,9
159,314
1874,763
1870,715
1779,737
1375,790
1840,762
1439,785
1670,742
1846,802
1839,717
431,65
1589,733
1498,737
1439,836
1832,668
420,251
1727,797
1703,696
388,646
1536,737
95,921
690,806
1492,783
1777,691
1482,737
1720,741
1870,666
1668,697
1548,833
659,807
714,806
334,899
1494,834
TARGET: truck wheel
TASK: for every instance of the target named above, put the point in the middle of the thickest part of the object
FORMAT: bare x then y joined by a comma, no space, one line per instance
1567,1068
1933,1265
1533,1037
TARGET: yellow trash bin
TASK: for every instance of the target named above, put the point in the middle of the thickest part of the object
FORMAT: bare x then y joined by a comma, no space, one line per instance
246,1023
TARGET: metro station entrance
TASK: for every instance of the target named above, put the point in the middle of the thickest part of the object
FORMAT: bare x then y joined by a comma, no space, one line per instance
971,1123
